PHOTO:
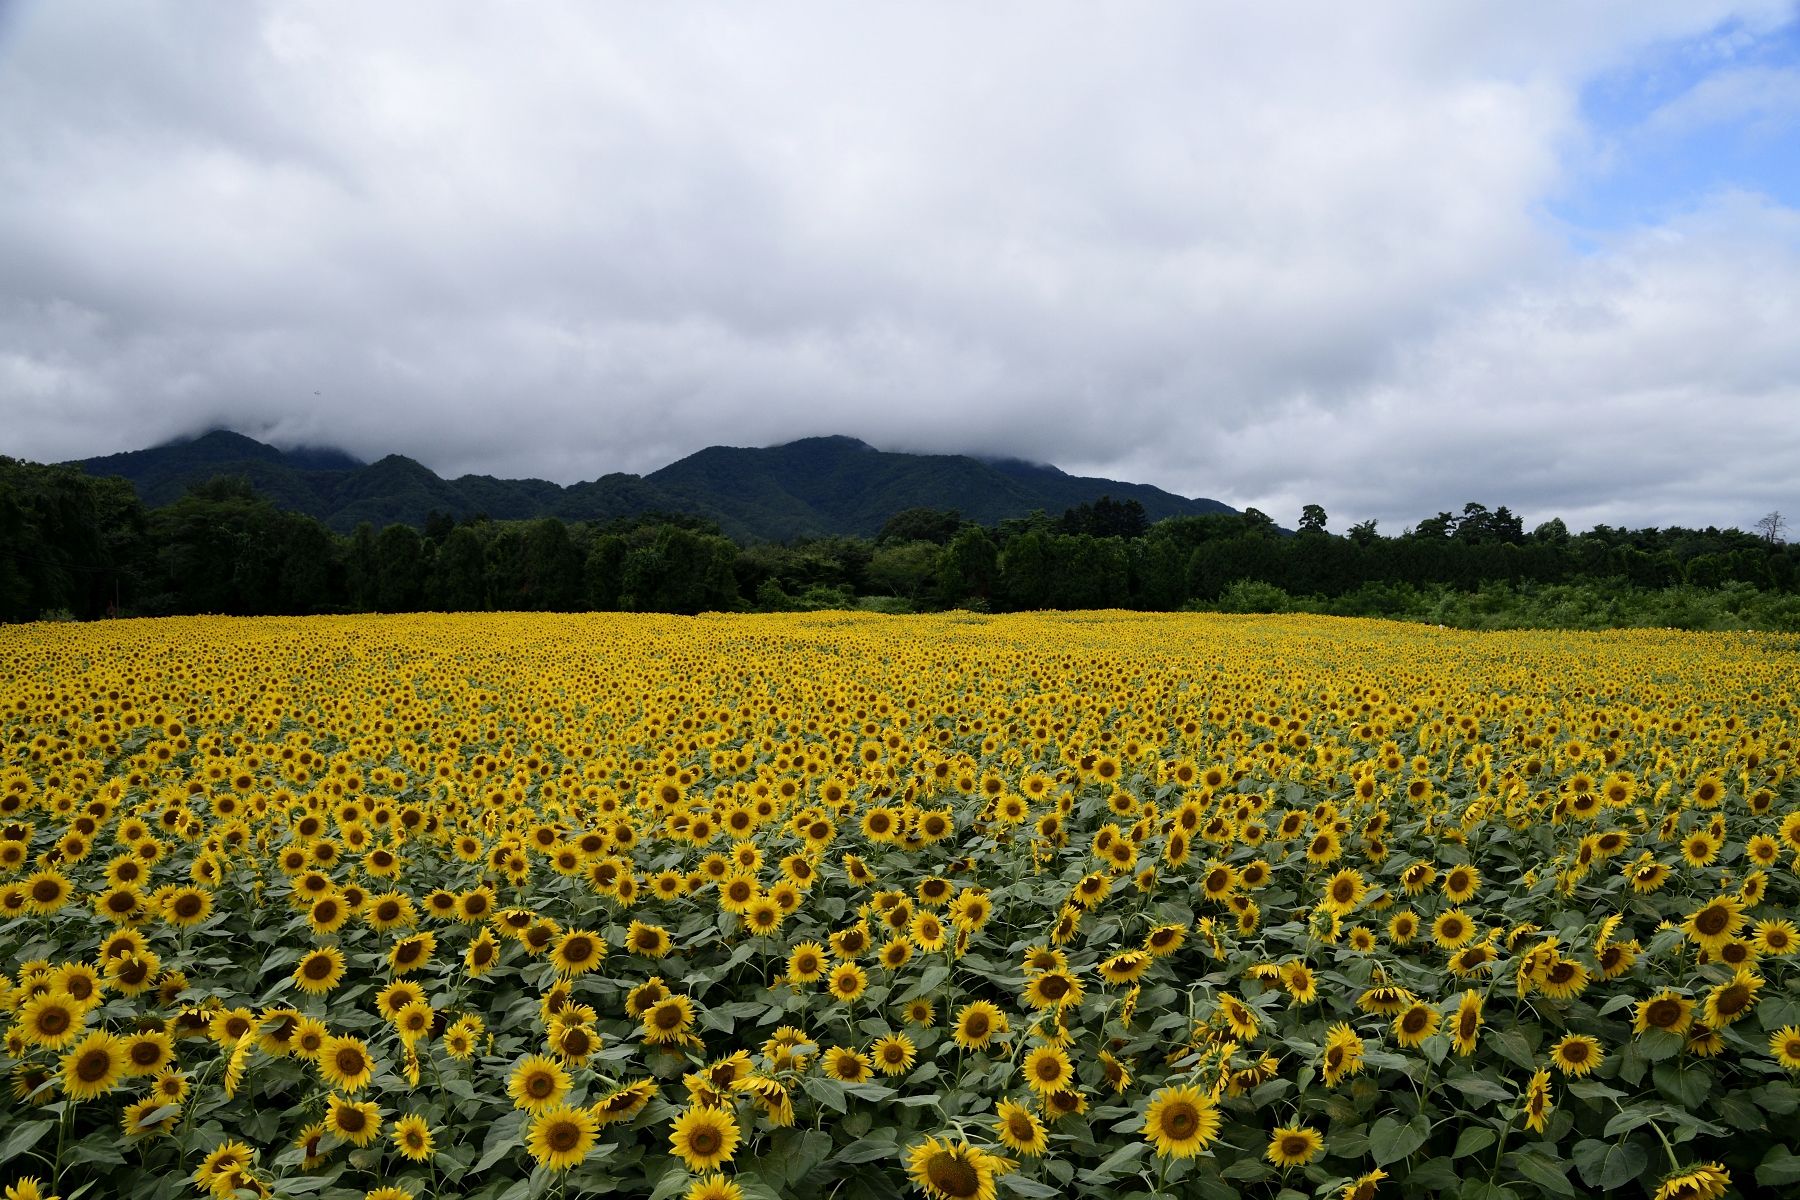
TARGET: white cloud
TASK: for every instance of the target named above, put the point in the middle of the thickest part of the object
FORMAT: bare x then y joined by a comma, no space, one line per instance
1272,255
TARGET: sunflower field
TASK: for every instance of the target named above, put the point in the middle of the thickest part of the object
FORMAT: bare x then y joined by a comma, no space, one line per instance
836,905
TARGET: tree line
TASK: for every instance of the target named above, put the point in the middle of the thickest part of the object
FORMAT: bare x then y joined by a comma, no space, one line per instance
84,547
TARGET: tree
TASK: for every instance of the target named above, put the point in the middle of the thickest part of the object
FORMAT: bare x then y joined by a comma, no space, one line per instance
1313,519
921,525
1771,527
400,569
462,572
966,567
1363,532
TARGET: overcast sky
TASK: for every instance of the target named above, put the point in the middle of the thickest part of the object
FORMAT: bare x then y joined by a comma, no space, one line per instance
1384,257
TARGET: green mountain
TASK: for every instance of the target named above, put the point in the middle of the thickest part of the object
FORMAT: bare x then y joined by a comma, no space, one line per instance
811,487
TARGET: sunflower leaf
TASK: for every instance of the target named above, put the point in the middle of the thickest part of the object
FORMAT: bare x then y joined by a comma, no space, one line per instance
24,1137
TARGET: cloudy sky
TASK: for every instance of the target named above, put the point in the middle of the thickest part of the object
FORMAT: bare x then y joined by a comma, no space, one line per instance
1387,257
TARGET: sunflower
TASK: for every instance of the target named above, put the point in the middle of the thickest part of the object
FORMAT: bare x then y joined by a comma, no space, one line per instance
51,1020
221,1162
1453,929
93,1066
411,952
320,970
846,1065
1716,922
893,1054
704,1138
1300,982
136,1122
1343,1054
713,1187
1577,1054
412,1138
1665,1011
1363,1186
1165,940
1053,989
762,916
1563,979
1294,1146
1708,1181
1460,883
147,1052
1537,1101
1403,927
393,999
355,1121
624,1103
537,1083
847,981
806,963
1467,1023
895,953
1415,1023
1727,1002
46,891
578,952
345,1063
1239,1017
1784,1044
561,1137
1047,1069
978,1023
668,1020
1776,939
1019,1129
1344,891
954,1170
1181,1121
188,905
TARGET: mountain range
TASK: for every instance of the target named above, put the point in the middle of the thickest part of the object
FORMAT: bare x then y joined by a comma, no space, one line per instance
817,486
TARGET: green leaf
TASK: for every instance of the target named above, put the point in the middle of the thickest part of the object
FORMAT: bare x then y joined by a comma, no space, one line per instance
24,1137
1478,1085
503,1137
867,1150
928,983
1472,1140
673,1179
1248,1169
1434,1175
1608,1166
755,1187
1593,1089
1118,1161
1513,1047
1779,1167
1546,1172
1390,1141
1659,1045
1022,1185
1738,1112
1687,1086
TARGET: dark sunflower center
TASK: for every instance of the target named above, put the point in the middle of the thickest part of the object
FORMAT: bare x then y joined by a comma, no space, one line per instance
952,1175
93,1066
704,1142
1180,1121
